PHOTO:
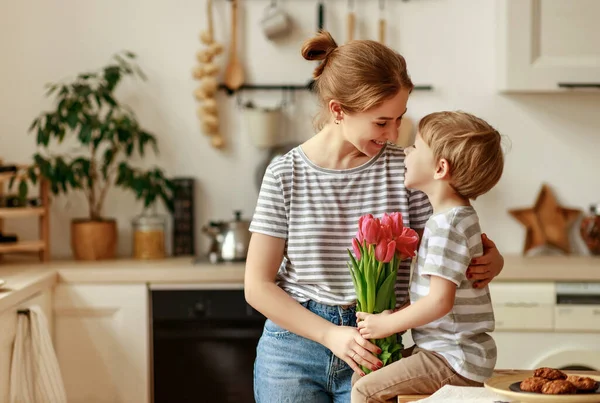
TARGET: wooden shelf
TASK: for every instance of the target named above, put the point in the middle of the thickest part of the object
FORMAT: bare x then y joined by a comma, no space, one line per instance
23,246
41,246
15,212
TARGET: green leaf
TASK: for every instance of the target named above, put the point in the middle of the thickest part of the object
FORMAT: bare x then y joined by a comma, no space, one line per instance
112,75
33,124
72,119
382,301
85,134
32,175
23,190
109,156
51,89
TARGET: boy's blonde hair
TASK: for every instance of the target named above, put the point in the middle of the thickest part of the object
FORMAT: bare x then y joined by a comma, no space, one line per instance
360,74
471,146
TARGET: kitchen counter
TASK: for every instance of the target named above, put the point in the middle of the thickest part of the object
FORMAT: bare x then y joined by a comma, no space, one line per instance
24,279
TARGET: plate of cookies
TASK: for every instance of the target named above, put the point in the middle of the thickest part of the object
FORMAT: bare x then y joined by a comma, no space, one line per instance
547,385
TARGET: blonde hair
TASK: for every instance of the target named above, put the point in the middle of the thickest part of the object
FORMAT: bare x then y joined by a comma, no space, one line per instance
360,75
471,146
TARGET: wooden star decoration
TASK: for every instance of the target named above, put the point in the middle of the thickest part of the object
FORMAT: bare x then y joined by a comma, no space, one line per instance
547,222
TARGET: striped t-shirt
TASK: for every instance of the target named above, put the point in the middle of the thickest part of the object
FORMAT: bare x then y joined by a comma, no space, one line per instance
450,240
317,210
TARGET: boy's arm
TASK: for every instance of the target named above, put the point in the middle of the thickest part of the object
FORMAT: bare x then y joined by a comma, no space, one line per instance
435,305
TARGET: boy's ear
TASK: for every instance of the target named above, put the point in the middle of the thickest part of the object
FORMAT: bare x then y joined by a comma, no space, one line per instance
442,169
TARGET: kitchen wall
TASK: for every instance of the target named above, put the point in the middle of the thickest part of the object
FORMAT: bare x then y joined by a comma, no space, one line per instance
448,44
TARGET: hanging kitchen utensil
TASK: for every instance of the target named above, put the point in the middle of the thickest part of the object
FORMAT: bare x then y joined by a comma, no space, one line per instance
234,72
320,26
382,22
351,20
206,72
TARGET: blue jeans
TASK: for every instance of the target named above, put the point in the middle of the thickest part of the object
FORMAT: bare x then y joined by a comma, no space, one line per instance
292,369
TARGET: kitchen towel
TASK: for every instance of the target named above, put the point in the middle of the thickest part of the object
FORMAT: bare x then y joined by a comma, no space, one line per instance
464,394
34,372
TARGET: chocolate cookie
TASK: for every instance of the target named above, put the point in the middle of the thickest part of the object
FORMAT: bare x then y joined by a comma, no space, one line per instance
559,387
583,383
549,373
533,384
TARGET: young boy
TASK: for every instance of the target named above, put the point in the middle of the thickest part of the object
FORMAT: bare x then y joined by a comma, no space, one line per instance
456,158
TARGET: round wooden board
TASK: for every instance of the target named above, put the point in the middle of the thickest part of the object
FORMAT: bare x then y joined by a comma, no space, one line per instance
500,385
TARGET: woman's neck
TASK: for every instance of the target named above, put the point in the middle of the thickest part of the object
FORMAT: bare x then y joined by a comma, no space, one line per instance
328,149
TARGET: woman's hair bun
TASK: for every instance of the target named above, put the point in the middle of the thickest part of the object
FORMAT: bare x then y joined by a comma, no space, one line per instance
319,47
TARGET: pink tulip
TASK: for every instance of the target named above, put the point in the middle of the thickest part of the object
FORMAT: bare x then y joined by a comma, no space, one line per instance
361,223
359,237
406,243
385,233
356,248
384,251
394,220
371,229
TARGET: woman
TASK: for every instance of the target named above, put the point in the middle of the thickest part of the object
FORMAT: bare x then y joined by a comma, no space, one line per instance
307,213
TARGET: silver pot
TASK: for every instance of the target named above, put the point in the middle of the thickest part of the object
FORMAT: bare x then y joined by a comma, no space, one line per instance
230,239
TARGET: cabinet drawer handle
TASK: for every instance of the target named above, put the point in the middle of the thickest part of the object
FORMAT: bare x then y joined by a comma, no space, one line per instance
521,304
579,85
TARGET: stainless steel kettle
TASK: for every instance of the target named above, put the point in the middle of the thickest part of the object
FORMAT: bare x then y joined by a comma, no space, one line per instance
230,239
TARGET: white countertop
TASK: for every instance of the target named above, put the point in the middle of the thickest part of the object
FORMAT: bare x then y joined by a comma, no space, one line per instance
24,279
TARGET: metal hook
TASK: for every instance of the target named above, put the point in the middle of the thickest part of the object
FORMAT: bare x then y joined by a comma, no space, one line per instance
238,100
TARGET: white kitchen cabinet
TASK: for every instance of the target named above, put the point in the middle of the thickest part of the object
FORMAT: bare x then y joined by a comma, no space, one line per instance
548,45
8,329
102,342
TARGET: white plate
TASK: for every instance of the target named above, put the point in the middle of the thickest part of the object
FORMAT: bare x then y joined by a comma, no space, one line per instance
501,385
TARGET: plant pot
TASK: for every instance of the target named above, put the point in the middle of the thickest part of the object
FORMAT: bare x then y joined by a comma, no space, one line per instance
94,240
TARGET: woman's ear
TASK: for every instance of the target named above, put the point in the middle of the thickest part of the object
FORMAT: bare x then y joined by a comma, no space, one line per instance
442,169
335,108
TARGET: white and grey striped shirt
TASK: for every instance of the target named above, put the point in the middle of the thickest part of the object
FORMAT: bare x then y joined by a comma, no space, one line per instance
450,240
317,210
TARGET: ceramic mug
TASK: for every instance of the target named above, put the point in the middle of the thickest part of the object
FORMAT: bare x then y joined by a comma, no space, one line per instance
275,22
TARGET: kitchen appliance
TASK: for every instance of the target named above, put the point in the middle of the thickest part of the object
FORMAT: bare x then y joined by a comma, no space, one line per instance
183,218
204,345
547,324
230,239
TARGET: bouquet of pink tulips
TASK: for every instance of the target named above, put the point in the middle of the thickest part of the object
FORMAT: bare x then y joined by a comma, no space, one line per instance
379,246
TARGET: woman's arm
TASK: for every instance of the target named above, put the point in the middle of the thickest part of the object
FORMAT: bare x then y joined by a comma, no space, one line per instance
265,254
483,269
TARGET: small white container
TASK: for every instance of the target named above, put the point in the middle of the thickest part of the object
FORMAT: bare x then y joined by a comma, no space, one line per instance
264,126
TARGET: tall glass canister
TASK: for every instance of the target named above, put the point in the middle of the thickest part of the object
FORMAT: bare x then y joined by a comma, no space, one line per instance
149,236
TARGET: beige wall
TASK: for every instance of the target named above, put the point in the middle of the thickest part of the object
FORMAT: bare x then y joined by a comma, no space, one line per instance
447,43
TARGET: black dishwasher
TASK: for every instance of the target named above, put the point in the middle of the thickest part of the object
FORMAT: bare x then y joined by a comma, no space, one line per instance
204,346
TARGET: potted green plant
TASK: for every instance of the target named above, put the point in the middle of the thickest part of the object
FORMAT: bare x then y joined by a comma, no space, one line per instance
108,138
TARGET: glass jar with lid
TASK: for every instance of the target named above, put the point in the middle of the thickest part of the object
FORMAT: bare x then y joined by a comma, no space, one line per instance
590,229
149,236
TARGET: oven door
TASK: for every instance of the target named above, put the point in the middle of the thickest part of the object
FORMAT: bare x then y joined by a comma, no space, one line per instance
204,346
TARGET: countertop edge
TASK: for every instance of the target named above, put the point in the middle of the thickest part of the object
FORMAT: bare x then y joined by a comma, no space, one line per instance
36,283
